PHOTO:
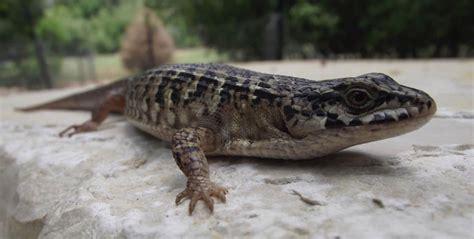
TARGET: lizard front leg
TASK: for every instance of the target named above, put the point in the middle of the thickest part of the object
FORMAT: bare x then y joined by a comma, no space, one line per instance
188,146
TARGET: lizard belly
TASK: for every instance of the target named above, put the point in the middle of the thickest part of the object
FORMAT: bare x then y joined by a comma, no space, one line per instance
159,131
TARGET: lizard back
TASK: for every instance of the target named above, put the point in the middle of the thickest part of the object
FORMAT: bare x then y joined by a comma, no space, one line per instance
233,102
274,116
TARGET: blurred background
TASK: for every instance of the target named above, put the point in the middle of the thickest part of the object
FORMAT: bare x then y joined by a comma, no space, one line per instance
58,43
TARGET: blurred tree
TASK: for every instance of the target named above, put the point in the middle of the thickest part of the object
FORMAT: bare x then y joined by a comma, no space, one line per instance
364,28
397,28
311,27
244,29
234,27
175,22
19,19
76,27
146,43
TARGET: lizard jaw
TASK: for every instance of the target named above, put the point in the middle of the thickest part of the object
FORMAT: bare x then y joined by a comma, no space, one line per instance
373,128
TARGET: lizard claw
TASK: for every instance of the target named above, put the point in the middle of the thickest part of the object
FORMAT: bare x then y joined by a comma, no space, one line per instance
87,126
202,193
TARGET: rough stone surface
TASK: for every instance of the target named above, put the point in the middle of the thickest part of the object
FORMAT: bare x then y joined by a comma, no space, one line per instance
121,183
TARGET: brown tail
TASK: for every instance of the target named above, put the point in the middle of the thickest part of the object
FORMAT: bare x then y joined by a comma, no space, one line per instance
86,101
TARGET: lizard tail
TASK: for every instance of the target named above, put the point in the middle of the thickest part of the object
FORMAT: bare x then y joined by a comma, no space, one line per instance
86,101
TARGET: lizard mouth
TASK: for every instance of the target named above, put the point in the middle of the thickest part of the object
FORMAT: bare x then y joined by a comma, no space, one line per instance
398,115
397,110
378,125
389,123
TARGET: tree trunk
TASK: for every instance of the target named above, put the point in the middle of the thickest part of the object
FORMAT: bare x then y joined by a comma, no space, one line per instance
273,35
40,57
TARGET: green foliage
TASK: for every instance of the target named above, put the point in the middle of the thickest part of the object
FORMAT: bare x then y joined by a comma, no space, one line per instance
363,28
109,25
98,25
303,18
20,20
238,29
61,27
76,27
175,22
23,60
398,28
17,27
234,27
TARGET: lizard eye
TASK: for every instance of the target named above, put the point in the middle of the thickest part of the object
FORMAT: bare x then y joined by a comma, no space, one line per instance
358,98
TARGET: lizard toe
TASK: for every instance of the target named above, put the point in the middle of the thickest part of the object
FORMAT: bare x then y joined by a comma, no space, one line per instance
182,196
219,192
205,195
87,126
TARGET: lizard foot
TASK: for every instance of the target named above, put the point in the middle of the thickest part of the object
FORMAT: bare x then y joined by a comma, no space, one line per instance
87,126
202,193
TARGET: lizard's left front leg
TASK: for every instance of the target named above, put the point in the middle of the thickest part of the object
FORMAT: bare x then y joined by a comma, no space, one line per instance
188,146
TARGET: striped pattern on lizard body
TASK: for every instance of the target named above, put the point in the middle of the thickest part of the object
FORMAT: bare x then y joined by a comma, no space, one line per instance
264,115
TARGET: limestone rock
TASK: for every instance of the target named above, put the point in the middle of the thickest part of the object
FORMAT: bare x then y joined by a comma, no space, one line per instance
121,183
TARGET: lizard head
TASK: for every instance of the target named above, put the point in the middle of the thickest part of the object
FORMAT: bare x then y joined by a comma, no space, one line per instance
357,110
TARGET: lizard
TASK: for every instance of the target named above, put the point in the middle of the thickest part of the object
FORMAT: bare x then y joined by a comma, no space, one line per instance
216,109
